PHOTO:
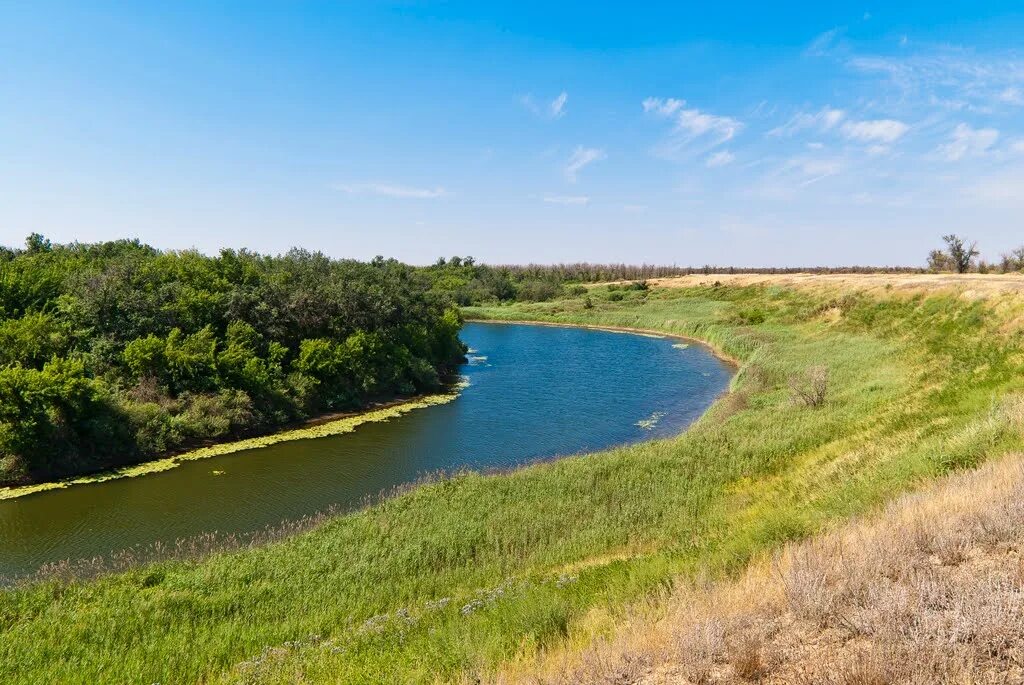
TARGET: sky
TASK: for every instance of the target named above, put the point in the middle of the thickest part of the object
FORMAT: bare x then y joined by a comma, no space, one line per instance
741,133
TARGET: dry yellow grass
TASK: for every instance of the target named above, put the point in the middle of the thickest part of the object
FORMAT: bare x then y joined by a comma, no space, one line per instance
969,284
931,590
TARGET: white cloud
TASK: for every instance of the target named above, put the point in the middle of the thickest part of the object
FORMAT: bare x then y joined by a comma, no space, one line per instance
823,43
815,169
694,123
557,106
1012,96
1018,147
567,199
553,110
581,157
878,150
662,107
877,130
719,159
690,125
391,190
968,142
822,120
950,77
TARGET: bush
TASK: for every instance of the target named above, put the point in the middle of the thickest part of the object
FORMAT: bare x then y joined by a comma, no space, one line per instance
537,291
811,387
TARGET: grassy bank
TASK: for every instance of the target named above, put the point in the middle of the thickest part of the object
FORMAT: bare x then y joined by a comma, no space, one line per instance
930,590
456,576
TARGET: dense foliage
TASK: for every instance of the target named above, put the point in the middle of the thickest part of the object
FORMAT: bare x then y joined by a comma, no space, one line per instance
113,352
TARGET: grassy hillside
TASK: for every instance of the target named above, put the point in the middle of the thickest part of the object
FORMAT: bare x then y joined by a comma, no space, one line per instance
456,576
931,590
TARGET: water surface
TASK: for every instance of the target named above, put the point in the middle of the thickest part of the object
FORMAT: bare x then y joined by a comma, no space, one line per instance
534,392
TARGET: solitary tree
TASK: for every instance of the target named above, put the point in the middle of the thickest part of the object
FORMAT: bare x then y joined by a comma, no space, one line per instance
960,254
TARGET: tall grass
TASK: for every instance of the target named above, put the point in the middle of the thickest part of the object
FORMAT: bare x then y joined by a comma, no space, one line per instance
931,590
456,576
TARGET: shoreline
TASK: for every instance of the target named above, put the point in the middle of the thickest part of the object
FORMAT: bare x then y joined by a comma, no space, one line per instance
323,426
651,332
334,423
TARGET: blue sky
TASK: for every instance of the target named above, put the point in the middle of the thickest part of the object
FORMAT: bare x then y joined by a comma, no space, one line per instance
740,133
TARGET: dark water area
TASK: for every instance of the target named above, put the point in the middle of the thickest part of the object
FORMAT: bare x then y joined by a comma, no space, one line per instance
535,392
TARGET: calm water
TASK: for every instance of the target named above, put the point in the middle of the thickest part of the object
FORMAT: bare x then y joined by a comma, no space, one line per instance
535,392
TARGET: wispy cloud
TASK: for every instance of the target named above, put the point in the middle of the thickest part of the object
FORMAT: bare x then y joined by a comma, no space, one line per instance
665,107
552,110
690,125
875,131
581,157
824,119
719,159
557,106
968,142
391,190
818,169
567,199
823,43
952,78
1012,96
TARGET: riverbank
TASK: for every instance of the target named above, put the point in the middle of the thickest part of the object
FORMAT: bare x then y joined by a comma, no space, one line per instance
319,427
457,577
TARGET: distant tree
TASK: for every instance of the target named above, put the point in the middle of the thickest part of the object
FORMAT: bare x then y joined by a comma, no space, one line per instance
938,261
960,254
1012,260
37,243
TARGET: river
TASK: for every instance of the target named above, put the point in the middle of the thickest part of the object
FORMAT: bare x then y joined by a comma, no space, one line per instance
534,392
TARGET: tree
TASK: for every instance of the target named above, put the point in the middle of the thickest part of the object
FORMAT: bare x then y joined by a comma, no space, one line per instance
960,254
938,261
1013,260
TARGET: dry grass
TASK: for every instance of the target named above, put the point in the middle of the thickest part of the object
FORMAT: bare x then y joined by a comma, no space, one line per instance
931,590
970,284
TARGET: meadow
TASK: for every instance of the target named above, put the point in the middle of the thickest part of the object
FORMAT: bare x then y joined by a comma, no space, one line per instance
457,577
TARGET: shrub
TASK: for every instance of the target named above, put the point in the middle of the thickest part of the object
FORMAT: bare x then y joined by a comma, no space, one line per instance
811,387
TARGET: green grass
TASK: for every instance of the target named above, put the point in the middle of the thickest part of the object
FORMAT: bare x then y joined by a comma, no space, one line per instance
458,575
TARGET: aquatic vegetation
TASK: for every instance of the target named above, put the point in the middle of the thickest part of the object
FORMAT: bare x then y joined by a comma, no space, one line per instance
651,421
339,426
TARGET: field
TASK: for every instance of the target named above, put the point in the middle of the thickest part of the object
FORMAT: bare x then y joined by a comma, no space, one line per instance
468,577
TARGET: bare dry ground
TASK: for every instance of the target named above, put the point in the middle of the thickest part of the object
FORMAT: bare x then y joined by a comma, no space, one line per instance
931,590
979,284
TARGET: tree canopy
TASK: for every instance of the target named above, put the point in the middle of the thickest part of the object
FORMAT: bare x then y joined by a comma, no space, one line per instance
114,352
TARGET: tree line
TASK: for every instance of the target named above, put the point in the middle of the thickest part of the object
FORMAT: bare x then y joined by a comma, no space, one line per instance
962,256
114,352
